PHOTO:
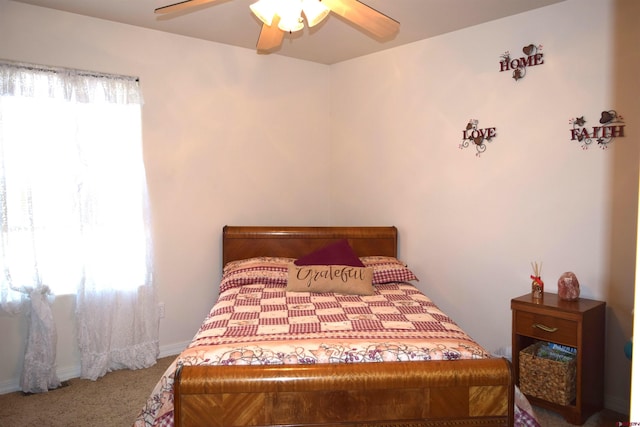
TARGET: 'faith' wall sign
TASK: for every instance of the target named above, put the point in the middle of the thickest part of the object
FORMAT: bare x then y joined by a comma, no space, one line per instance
612,128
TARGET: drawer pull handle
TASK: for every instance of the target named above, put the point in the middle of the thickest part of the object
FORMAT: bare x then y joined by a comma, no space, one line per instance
544,327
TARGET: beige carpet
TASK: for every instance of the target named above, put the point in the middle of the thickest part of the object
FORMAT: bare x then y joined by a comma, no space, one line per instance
116,399
113,400
605,418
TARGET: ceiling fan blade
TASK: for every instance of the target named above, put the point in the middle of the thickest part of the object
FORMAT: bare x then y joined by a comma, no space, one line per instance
181,6
270,36
364,17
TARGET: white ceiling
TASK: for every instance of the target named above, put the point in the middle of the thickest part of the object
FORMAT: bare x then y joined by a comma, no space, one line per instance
334,40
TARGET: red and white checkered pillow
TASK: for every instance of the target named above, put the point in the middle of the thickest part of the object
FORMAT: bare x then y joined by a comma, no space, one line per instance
388,269
265,270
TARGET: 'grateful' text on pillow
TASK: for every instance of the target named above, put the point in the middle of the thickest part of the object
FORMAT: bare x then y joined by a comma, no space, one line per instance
340,279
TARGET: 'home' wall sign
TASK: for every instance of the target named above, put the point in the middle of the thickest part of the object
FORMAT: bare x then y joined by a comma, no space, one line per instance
519,65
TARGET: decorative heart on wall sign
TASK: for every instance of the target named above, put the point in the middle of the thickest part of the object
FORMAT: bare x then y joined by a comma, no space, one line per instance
529,50
607,116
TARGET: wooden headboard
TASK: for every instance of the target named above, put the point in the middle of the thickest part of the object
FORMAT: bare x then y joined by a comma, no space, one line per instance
242,242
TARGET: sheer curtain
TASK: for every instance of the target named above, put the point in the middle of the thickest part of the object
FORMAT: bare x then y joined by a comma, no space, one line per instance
74,212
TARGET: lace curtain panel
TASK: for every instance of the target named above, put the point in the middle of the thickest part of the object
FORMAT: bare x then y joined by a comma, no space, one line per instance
74,212
39,372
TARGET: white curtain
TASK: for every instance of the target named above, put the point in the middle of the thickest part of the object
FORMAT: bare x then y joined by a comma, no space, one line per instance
73,208
39,373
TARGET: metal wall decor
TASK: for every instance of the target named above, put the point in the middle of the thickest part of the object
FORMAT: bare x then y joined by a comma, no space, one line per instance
519,65
612,128
476,137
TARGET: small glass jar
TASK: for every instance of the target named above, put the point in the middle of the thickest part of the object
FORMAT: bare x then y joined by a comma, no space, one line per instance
537,288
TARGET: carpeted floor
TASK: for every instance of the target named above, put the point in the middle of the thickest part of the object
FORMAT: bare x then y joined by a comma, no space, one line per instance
605,418
113,400
116,399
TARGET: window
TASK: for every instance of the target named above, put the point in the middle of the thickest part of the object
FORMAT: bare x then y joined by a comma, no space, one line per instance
72,184
74,215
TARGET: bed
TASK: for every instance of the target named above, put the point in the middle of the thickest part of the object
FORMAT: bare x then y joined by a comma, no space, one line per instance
254,385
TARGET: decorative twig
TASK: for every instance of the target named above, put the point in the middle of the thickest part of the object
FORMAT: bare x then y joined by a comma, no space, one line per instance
537,269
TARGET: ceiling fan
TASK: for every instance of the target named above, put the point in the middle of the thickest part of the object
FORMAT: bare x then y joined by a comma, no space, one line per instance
282,16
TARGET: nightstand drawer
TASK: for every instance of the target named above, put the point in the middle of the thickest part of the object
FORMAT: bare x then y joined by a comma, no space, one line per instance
547,328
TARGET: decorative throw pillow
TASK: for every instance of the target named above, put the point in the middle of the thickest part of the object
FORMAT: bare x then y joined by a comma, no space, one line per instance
264,270
336,253
388,269
341,279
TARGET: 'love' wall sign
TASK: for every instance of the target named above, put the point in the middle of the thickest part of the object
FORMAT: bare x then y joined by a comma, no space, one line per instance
476,136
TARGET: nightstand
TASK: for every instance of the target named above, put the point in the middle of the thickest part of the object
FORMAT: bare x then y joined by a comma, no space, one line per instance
579,324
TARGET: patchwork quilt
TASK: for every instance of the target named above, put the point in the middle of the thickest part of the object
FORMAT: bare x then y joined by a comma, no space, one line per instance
257,322
263,324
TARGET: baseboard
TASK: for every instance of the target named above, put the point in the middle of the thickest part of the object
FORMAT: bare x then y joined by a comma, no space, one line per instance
68,372
617,404
173,349
9,386
64,374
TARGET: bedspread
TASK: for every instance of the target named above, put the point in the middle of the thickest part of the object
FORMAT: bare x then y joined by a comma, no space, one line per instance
264,324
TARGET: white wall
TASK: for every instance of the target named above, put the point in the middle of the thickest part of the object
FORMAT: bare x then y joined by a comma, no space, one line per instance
470,226
230,137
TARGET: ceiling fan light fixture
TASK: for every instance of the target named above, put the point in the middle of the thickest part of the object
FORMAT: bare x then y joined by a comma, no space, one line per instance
314,11
290,14
265,10
281,16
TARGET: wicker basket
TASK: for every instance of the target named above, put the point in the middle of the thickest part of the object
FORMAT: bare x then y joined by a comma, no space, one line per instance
547,379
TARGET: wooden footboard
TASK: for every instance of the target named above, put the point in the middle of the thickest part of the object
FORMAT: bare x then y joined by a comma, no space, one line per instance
394,394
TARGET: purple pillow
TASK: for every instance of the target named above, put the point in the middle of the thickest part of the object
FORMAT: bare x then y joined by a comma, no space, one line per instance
337,253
